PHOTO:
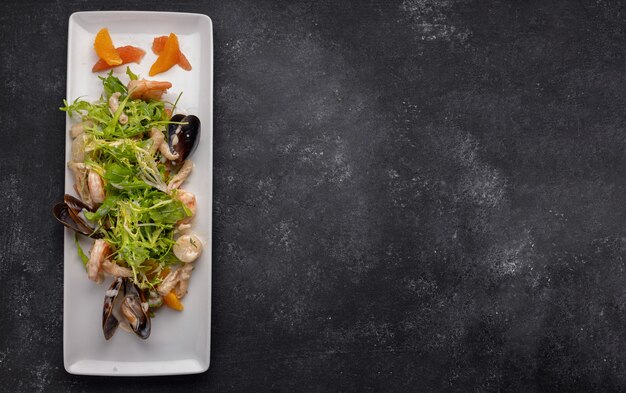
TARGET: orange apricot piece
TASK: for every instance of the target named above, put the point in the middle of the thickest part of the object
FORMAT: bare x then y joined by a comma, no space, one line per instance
103,46
129,54
158,43
157,47
168,57
173,302
183,62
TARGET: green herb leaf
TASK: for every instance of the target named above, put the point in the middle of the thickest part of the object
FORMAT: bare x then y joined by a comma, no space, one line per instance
131,75
169,213
112,85
109,203
122,177
81,254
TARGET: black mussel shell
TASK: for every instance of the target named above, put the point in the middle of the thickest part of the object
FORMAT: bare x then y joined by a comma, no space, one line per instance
70,218
111,301
132,309
76,204
183,138
123,306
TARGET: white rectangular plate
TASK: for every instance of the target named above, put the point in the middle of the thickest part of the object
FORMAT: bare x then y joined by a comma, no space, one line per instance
180,341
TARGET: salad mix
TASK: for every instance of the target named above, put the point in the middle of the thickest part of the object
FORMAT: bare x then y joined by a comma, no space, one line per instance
129,160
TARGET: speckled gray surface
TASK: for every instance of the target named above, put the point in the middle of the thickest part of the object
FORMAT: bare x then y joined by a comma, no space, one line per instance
409,196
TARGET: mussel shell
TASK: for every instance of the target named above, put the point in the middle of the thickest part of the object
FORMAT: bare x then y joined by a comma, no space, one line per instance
76,204
133,311
79,221
70,218
75,207
111,301
186,136
123,308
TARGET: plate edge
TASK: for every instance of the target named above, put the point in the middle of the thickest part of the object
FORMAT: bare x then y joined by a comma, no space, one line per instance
204,362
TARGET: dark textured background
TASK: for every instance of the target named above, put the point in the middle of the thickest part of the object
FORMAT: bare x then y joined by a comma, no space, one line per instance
418,195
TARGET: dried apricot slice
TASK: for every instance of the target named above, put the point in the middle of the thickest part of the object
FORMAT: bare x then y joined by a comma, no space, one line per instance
129,54
157,47
168,57
105,49
158,43
183,62
173,302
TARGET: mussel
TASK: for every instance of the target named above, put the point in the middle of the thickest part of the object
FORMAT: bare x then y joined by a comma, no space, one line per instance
183,138
125,306
67,213
134,307
76,204
109,320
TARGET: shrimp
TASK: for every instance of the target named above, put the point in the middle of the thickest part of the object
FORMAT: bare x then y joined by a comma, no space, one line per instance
159,143
114,104
79,128
98,253
80,180
189,200
157,139
182,229
115,269
184,274
165,151
96,187
168,284
78,148
187,248
147,90
82,175
181,176
177,281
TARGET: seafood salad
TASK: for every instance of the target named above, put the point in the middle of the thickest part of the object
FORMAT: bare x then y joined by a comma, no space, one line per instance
129,159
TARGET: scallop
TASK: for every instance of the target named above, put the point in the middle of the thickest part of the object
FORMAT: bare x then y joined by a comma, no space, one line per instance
188,248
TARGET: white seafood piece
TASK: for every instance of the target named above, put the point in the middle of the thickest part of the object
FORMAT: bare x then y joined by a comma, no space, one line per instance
78,148
98,254
114,104
96,187
157,139
168,284
165,151
182,229
80,180
116,270
184,274
79,128
181,176
188,248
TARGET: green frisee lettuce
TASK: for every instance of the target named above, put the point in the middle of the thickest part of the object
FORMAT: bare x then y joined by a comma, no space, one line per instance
138,216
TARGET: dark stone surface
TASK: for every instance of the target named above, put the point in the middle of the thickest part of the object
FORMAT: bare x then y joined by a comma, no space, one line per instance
419,195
